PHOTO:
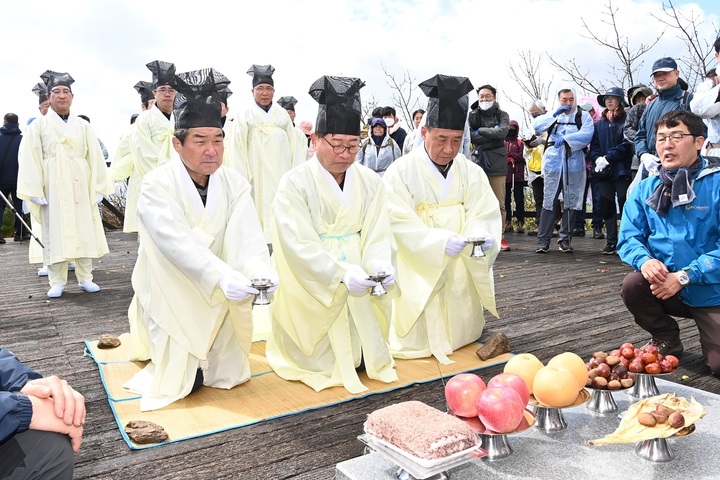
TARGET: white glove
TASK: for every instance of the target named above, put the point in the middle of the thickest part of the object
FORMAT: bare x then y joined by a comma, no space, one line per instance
488,243
39,200
455,245
389,271
98,198
601,163
119,187
236,286
356,280
650,162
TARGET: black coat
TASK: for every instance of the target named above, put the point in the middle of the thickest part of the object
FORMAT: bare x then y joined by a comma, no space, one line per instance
488,129
10,137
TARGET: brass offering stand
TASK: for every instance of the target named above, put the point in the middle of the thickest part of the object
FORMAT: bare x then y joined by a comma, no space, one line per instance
262,285
378,289
551,419
477,247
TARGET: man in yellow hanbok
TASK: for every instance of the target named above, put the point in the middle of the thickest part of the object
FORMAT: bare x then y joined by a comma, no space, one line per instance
262,144
62,173
438,199
149,143
330,228
200,246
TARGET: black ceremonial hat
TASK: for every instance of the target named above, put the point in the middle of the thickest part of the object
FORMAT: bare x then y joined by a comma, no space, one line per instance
261,74
53,79
340,107
198,101
163,73
288,103
41,91
447,101
145,90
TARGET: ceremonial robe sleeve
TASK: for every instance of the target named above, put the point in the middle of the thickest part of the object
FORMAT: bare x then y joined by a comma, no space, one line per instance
31,181
121,166
236,148
99,179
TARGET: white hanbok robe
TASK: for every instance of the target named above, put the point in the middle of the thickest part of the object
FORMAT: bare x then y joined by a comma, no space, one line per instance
262,146
319,329
441,308
63,163
179,317
148,146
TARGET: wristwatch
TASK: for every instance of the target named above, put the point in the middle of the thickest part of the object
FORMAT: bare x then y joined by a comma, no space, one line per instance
683,278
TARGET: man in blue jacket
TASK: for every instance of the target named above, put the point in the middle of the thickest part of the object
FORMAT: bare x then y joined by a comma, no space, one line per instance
669,234
41,422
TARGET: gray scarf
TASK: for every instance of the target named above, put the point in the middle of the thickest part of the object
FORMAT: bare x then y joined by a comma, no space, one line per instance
674,187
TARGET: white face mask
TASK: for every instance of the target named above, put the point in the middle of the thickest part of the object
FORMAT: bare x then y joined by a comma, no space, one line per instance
389,121
485,105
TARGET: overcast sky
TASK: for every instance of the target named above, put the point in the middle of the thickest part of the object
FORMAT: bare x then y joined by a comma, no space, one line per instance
105,44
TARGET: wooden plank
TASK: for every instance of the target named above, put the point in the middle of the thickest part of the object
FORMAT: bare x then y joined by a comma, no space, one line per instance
547,303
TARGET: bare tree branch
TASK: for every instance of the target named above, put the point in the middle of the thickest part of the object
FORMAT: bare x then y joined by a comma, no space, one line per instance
404,96
622,74
368,105
699,52
526,74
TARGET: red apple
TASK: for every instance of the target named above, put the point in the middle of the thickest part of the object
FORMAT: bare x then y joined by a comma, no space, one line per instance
526,365
500,409
510,380
461,393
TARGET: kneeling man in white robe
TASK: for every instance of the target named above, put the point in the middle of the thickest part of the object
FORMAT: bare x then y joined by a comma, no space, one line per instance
438,199
330,229
200,246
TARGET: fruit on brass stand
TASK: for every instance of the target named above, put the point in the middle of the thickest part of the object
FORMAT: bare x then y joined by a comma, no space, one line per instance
461,393
573,364
555,387
526,365
500,409
661,416
622,364
510,380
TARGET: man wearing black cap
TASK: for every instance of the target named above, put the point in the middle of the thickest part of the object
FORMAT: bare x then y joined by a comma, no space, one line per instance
191,315
288,103
261,143
329,230
150,140
672,95
44,101
438,199
63,174
147,99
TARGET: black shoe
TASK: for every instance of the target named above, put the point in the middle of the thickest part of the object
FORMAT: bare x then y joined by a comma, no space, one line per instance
543,249
674,347
18,238
565,247
598,233
578,232
2,240
609,250
532,233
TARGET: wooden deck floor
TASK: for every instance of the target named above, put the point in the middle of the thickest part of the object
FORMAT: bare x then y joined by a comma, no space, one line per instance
548,304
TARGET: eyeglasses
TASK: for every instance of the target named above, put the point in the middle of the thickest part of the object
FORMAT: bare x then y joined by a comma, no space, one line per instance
165,90
339,149
61,91
484,98
264,89
675,137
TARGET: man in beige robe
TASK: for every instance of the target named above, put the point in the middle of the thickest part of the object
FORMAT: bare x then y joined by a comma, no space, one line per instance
149,143
438,200
261,143
62,173
200,247
330,228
